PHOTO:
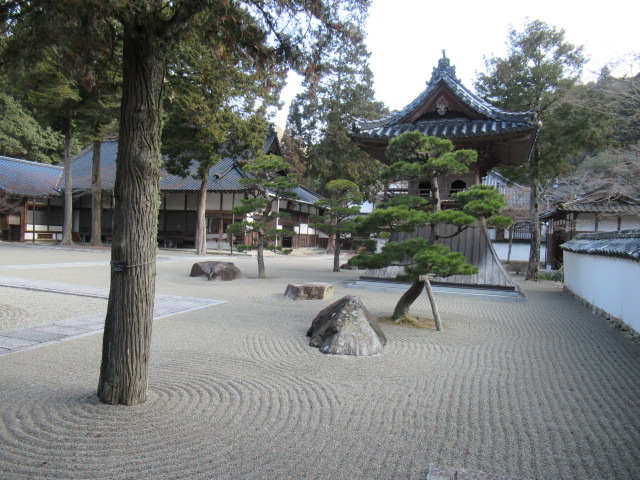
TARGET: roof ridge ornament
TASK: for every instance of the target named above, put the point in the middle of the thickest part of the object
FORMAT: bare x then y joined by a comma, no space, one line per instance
443,69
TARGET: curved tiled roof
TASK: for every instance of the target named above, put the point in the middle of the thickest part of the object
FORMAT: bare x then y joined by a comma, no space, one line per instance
624,244
597,202
450,128
225,176
31,179
445,74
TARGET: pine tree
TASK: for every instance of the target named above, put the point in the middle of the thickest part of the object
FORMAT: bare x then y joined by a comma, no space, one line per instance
421,159
341,209
538,71
268,184
319,119
273,32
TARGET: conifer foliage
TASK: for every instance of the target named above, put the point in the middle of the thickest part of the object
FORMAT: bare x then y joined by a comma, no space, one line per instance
540,68
340,91
341,209
420,159
268,183
291,33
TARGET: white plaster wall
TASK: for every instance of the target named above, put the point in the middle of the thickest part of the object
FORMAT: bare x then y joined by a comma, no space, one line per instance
519,251
192,201
630,221
227,201
213,201
174,201
608,224
611,284
28,234
586,222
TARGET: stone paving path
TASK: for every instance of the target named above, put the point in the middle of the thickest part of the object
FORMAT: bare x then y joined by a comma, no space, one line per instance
12,341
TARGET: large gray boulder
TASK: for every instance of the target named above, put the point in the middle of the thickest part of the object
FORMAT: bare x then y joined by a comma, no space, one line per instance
347,328
219,271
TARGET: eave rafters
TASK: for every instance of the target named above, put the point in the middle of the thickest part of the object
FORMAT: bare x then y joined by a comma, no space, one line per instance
446,109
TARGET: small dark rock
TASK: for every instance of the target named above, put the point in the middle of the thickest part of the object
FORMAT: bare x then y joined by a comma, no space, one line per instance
220,271
346,266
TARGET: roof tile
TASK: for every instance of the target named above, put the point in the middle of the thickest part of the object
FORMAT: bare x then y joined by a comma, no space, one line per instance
623,244
31,179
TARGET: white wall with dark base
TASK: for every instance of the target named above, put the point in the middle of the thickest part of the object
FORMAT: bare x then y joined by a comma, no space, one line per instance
611,284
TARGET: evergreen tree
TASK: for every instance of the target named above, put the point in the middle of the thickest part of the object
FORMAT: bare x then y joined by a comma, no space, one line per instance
22,136
341,209
215,108
268,184
59,67
273,31
540,68
421,159
319,119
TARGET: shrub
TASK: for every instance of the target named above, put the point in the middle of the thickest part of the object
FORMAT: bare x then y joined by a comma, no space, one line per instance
365,244
555,276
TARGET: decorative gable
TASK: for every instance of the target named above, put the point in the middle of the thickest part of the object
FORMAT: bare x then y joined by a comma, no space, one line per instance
447,109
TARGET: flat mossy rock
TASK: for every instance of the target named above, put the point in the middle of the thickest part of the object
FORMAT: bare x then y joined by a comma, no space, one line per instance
347,328
219,271
309,291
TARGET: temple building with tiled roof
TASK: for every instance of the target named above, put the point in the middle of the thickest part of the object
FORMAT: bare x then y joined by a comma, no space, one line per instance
597,211
447,109
34,207
39,189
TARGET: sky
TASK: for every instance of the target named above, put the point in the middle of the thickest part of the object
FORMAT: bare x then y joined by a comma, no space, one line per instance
406,39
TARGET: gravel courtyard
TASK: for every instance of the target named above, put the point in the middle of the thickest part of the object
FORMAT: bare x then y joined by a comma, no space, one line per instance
536,389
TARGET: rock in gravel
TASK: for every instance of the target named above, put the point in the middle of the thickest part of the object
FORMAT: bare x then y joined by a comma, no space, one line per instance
309,291
347,328
220,271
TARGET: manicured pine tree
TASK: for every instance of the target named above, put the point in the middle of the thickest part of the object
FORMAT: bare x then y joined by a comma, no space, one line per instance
421,160
268,184
341,209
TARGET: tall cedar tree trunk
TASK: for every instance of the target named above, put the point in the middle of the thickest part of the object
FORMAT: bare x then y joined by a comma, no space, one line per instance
127,333
96,196
67,229
201,225
534,253
336,254
407,299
